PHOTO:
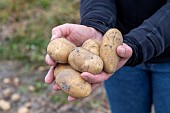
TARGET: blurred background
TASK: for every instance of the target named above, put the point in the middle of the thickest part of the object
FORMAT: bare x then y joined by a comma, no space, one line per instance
25,31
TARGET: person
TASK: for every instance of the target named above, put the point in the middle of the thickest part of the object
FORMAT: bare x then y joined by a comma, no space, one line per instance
143,73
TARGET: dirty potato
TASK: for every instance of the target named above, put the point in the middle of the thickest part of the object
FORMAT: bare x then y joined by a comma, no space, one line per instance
110,41
83,60
71,83
59,49
92,45
61,67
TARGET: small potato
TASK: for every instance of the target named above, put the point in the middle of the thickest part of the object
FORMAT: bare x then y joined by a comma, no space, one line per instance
71,83
110,41
83,60
59,49
92,45
61,67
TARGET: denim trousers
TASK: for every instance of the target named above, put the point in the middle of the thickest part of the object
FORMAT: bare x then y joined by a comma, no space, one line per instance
135,89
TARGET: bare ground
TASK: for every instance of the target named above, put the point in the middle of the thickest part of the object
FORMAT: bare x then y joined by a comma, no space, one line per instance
18,78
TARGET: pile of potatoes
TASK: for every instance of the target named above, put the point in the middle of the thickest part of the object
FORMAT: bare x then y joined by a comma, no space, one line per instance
93,56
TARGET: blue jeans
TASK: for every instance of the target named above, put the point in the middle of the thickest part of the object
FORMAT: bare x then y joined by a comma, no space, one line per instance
135,89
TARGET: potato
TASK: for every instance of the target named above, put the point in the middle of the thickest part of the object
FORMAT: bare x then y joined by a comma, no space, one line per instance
83,60
92,45
59,49
110,41
71,83
61,67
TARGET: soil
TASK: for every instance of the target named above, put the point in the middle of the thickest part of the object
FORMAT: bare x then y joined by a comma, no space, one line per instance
18,78
35,96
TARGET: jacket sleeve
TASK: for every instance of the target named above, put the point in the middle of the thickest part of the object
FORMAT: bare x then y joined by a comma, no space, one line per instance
99,14
151,38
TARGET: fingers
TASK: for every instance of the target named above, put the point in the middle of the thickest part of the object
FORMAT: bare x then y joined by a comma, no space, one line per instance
95,78
124,51
61,31
56,87
49,78
70,98
49,61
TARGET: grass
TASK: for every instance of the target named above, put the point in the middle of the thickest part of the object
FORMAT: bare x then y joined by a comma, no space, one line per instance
25,31
59,97
26,26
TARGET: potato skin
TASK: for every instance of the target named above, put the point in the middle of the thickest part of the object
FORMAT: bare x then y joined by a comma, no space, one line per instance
61,67
71,83
110,41
59,49
83,60
92,45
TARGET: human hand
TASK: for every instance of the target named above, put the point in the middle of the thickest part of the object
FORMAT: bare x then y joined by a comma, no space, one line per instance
77,34
124,51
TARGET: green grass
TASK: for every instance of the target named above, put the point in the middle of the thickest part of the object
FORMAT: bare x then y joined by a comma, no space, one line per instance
40,86
28,25
25,31
61,97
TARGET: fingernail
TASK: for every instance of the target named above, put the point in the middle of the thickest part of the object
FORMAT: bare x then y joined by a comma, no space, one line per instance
47,80
55,87
53,37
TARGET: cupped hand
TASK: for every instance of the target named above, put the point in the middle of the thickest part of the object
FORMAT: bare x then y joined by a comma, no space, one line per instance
124,51
77,34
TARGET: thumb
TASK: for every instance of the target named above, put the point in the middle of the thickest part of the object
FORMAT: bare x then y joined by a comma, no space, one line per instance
124,51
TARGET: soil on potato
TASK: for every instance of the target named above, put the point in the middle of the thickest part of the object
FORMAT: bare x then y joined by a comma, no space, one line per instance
35,96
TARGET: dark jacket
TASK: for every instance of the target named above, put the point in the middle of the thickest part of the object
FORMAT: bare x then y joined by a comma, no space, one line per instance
145,25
